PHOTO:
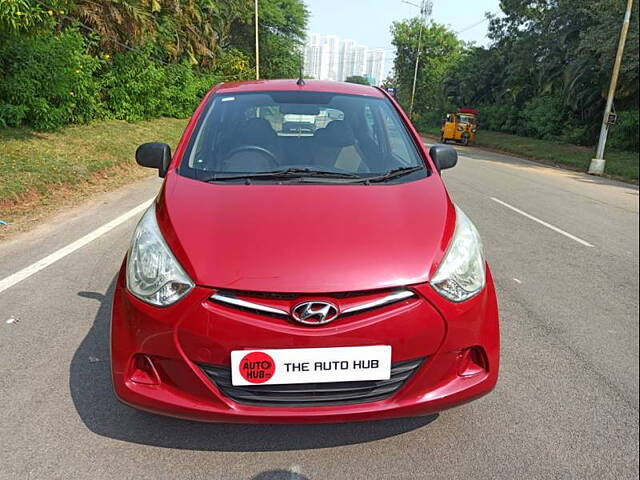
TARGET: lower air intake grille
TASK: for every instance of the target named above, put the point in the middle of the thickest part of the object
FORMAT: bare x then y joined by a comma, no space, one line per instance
312,394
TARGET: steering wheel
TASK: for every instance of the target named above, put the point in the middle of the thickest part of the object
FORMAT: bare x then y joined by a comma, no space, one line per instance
255,148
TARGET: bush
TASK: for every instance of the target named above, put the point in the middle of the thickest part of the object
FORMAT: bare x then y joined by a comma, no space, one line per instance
136,87
133,87
490,118
499,118
184,88
26,15
47,80
428,121
577,134
624,134
543,116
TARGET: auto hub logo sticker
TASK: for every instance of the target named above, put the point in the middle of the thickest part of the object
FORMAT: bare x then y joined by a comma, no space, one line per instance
257,367
310,365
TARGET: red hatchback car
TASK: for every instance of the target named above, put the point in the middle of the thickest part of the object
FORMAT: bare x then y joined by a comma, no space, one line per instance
302,262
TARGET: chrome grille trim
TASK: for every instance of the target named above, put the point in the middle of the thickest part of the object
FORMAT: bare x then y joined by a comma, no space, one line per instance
245,304
391,298
379,302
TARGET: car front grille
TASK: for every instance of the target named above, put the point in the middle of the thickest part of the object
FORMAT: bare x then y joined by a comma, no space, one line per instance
313,394
280,305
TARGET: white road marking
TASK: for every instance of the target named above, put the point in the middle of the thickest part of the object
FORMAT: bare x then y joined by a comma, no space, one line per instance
517,281
542,222
43,263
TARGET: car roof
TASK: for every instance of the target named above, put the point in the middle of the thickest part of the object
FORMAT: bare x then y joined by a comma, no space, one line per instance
291,85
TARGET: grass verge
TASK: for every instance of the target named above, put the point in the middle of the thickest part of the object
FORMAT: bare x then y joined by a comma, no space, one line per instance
42,172
620,165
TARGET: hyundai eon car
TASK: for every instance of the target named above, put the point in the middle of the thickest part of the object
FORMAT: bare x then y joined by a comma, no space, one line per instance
302,275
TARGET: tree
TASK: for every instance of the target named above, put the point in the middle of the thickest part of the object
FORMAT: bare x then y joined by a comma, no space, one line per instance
192,30
282,27
359,79
549,59
389,82
195,30
28,16
132,59
440,51
123,22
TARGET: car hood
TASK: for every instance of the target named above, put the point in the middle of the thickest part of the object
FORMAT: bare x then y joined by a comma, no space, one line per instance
306,238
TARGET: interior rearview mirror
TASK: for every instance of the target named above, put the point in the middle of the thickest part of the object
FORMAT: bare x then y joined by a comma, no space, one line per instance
443,156
299,109
154,155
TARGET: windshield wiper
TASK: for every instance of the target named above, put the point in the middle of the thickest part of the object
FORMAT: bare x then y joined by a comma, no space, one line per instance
284,173
391,174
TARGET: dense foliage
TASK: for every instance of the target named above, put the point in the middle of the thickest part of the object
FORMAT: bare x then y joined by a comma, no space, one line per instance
63,62
359,79
440,50
545,74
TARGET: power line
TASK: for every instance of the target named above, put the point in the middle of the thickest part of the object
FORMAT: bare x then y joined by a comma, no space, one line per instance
474,25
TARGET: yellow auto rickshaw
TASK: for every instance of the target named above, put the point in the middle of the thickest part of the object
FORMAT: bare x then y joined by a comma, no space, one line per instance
460,127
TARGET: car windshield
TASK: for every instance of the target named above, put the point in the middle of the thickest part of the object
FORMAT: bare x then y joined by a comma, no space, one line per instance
471,120
340,136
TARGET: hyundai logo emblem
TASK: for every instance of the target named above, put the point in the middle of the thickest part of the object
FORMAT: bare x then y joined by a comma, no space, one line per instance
314,313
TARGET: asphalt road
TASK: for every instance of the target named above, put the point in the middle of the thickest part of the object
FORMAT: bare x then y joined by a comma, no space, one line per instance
566,405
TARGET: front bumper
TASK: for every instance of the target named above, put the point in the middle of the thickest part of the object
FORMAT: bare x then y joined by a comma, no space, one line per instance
179,340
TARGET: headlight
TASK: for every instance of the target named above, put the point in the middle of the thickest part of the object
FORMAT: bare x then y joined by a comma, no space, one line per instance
462,272
460,128
153,273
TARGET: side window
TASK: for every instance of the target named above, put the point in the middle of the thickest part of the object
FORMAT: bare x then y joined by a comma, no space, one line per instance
397,137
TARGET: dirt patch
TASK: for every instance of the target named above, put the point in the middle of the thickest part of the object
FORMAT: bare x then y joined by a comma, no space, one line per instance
34,207
46,172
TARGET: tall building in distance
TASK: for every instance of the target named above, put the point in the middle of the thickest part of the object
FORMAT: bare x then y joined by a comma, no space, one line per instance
329,57
375,64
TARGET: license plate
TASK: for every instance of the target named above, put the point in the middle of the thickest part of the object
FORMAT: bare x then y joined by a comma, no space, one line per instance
310,365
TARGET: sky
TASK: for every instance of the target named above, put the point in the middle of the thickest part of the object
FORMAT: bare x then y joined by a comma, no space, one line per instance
368,21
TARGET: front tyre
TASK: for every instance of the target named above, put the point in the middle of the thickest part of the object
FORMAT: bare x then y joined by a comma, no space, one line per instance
465,140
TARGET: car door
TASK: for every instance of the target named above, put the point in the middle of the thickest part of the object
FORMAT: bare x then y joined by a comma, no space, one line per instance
450,127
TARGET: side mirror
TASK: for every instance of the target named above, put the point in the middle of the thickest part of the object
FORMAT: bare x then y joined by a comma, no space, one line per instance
154,155
443,156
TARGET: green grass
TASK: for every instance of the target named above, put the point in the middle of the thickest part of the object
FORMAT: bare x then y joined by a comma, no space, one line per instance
42,172
619,164
44,169
622,165
37,163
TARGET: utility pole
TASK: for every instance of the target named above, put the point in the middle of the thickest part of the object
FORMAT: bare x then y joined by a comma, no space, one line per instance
415,70
598,163
426,7
257,44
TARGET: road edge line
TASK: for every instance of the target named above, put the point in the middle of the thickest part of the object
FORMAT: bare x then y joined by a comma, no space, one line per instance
543,223
59,254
